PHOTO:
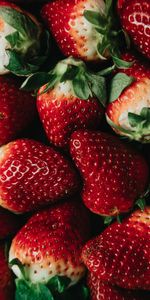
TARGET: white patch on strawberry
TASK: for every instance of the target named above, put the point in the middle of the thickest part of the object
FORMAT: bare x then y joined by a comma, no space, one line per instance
40,273
64,88
136,105
5,29
83,31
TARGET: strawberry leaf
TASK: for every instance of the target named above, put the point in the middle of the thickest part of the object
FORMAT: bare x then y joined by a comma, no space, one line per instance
13,39
35,81
122,64
119,82
52,81
108,7
98,87
141,203
106,71
103,45
70,73
145,113
81,87
18,66
95,18
119,219
58,284
108,220
19,21
135,120
29,291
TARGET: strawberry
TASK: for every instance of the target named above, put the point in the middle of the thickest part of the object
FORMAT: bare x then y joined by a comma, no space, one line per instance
121,254
33,175
49,245
135,19
129,109
70,100
85,29
17,109
114,174
24,44
9,224
6,281
101,291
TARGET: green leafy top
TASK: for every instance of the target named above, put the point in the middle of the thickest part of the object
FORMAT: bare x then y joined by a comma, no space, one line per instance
140,126
29,44
85,83
111,36
118,84
57,288
109,219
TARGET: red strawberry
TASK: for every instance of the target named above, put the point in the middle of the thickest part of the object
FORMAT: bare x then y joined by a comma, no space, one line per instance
9,223
71,102
6,282
121,254
114,174
83,28
104,291
135,19
49,245
23,46
17,109
129,112
32,174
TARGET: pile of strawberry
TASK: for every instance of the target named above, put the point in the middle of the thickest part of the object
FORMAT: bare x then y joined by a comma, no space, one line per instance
74,150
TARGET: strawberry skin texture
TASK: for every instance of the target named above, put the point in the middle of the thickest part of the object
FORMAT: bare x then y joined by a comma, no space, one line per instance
133,98
50,244
33,175
140,68
9,223
6,280
121,254
61,113
135,19
74,35
17,109
68,213
114,175
101,291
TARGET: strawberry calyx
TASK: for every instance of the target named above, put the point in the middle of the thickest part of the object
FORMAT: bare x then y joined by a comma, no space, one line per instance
109,219
110,34
28,43
139,123
84,83
141,201
57,287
